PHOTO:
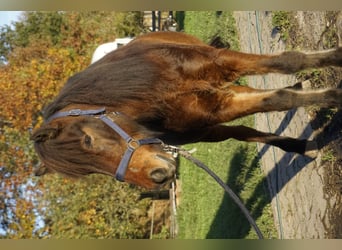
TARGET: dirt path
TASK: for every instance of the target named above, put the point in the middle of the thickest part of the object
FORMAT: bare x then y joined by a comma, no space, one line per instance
301,205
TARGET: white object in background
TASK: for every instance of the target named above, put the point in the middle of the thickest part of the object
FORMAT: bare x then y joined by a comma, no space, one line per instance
105,48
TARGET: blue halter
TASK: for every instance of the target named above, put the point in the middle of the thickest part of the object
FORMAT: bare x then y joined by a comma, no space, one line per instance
132,144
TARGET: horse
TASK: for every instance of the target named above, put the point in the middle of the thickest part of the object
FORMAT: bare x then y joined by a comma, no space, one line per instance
167,88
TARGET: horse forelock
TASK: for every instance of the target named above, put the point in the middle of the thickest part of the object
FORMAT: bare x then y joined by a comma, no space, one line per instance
63,152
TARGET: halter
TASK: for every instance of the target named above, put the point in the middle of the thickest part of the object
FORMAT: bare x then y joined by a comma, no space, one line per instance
132,144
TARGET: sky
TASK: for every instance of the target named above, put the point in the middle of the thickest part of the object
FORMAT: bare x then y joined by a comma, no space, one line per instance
6,17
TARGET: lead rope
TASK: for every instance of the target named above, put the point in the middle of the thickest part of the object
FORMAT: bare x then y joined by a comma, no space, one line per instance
187,155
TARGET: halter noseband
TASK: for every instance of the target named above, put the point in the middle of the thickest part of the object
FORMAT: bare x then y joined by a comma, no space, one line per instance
132,144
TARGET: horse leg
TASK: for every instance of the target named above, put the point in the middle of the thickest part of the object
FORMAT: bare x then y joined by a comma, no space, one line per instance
235,64
242,133
240,101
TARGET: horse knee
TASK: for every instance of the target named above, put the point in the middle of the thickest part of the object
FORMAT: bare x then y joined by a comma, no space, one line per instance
333,58
281,99
288,62
332,98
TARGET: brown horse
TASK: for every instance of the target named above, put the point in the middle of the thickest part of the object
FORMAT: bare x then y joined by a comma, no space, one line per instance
170,86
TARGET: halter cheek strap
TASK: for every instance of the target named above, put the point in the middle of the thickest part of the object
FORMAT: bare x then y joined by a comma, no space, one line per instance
132,144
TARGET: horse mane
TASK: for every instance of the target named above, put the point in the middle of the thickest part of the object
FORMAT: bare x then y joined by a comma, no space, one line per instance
112,81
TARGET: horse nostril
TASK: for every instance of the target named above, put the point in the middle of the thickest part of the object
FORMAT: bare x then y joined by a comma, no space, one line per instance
159,175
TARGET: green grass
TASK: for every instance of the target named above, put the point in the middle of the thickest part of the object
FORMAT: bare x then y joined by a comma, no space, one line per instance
205,210
206,24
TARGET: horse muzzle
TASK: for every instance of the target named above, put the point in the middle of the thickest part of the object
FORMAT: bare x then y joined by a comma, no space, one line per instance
163,175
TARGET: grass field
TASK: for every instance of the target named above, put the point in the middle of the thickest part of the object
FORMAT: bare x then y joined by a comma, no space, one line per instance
205,211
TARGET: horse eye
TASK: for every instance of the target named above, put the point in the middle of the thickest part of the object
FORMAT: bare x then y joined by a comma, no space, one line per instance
87,140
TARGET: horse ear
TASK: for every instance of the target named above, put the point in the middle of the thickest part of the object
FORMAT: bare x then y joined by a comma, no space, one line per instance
44,133
42,170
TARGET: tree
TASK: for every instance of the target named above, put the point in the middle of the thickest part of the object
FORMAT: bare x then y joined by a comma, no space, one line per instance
25,83
45,26
96,207
126,24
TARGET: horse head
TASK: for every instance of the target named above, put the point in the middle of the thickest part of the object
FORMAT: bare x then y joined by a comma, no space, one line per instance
111,144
